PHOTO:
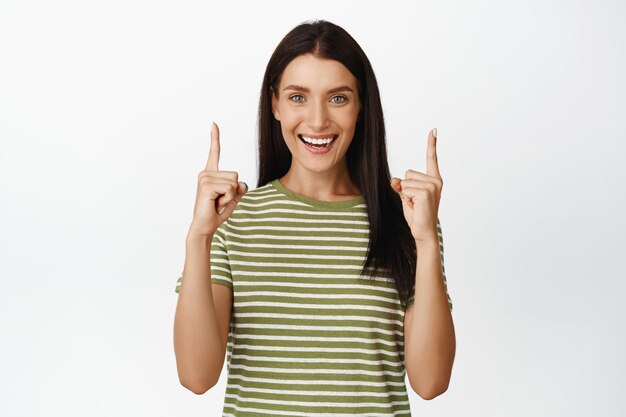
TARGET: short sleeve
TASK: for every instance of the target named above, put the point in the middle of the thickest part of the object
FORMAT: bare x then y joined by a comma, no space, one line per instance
443,271
220,263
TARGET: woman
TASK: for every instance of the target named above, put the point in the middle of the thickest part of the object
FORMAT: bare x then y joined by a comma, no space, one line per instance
317,295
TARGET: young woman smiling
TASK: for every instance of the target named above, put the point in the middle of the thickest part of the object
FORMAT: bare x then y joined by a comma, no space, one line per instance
324,286
317,122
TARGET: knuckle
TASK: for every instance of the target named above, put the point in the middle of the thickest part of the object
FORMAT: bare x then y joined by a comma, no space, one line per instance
229,174
205,173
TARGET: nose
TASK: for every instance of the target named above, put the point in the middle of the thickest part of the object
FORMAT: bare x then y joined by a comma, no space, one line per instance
318,116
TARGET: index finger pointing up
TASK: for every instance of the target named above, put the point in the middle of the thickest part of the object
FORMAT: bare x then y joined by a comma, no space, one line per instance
432,167
214,151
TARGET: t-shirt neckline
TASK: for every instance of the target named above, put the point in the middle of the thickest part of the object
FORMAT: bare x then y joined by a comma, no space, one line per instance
278,186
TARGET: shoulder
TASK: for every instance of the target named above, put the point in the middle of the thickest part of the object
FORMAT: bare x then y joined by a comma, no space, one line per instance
257,196
253,200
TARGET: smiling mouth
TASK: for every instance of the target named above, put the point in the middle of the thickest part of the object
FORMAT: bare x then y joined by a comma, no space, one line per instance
318,145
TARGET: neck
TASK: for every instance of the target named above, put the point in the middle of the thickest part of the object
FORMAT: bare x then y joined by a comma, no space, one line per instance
325,186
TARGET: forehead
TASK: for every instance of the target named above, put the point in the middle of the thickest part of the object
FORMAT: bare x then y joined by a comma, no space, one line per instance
317,74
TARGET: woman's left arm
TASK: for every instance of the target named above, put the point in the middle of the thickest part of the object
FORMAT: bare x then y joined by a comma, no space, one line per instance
429,339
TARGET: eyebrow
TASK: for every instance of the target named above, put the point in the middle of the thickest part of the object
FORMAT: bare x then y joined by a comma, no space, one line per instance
306,90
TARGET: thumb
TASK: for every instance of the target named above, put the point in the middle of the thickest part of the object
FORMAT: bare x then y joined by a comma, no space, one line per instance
397,187
243,188
395,184
226,210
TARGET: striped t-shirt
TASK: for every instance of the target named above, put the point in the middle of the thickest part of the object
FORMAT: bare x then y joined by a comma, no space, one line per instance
309,336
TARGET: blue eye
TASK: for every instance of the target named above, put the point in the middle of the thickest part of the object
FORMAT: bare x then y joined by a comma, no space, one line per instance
343,99
295,95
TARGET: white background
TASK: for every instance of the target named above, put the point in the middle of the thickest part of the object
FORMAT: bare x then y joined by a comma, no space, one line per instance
105,110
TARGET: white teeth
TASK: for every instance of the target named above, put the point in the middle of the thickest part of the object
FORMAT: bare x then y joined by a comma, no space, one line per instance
314,141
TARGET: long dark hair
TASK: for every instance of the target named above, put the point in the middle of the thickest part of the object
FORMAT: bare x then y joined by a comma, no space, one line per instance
391,245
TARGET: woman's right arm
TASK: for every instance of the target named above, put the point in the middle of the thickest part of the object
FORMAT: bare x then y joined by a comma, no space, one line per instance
203,311
202,319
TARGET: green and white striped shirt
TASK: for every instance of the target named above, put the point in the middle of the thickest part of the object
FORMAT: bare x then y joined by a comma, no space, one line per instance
309,336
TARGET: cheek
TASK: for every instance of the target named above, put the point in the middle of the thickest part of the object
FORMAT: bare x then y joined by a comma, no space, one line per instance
289,121
348,116
348,122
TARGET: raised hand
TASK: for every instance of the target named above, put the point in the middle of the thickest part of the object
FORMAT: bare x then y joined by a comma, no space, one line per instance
421,193
218,192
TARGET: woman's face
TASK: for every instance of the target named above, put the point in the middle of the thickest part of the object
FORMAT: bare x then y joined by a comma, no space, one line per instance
318,98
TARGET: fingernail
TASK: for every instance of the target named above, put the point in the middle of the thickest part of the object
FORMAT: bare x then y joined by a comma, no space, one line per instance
435,132
222,210
246,185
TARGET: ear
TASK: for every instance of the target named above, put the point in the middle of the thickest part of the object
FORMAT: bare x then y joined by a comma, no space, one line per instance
274,105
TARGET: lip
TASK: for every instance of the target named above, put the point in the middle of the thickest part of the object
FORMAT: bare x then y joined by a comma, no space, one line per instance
321,150
308,135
